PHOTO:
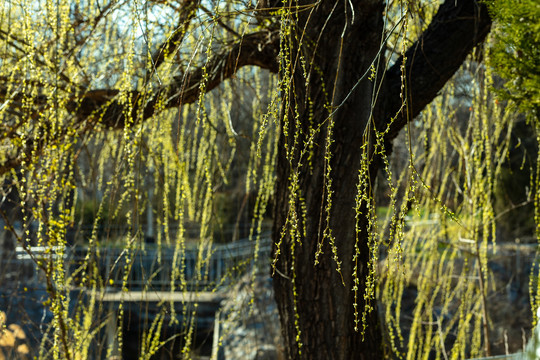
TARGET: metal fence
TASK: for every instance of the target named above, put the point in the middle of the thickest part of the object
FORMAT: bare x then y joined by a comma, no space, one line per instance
154,267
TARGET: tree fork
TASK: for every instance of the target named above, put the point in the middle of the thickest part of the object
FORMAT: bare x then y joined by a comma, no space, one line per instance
315,301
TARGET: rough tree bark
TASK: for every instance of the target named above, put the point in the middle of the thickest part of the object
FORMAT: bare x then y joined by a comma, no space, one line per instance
315,301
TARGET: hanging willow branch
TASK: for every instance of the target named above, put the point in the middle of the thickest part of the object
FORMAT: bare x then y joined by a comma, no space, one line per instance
104,107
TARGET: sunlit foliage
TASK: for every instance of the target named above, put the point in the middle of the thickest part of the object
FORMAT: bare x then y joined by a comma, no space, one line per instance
515,53
138,162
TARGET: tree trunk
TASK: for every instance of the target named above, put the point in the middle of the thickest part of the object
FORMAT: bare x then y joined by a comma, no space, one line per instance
316,301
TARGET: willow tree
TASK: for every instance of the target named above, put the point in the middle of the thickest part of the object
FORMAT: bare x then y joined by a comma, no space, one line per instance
344,92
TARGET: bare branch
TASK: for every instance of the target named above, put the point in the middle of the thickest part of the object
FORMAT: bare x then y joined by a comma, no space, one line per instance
432,60
221,23
258,49
188,11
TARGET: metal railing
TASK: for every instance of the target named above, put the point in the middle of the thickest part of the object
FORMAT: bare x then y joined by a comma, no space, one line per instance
155,267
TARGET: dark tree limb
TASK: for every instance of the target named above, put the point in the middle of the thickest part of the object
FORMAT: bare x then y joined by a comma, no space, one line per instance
103,106
432,60
259,49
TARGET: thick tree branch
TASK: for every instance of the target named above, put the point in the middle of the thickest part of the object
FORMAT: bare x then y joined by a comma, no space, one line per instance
455,30
259,49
